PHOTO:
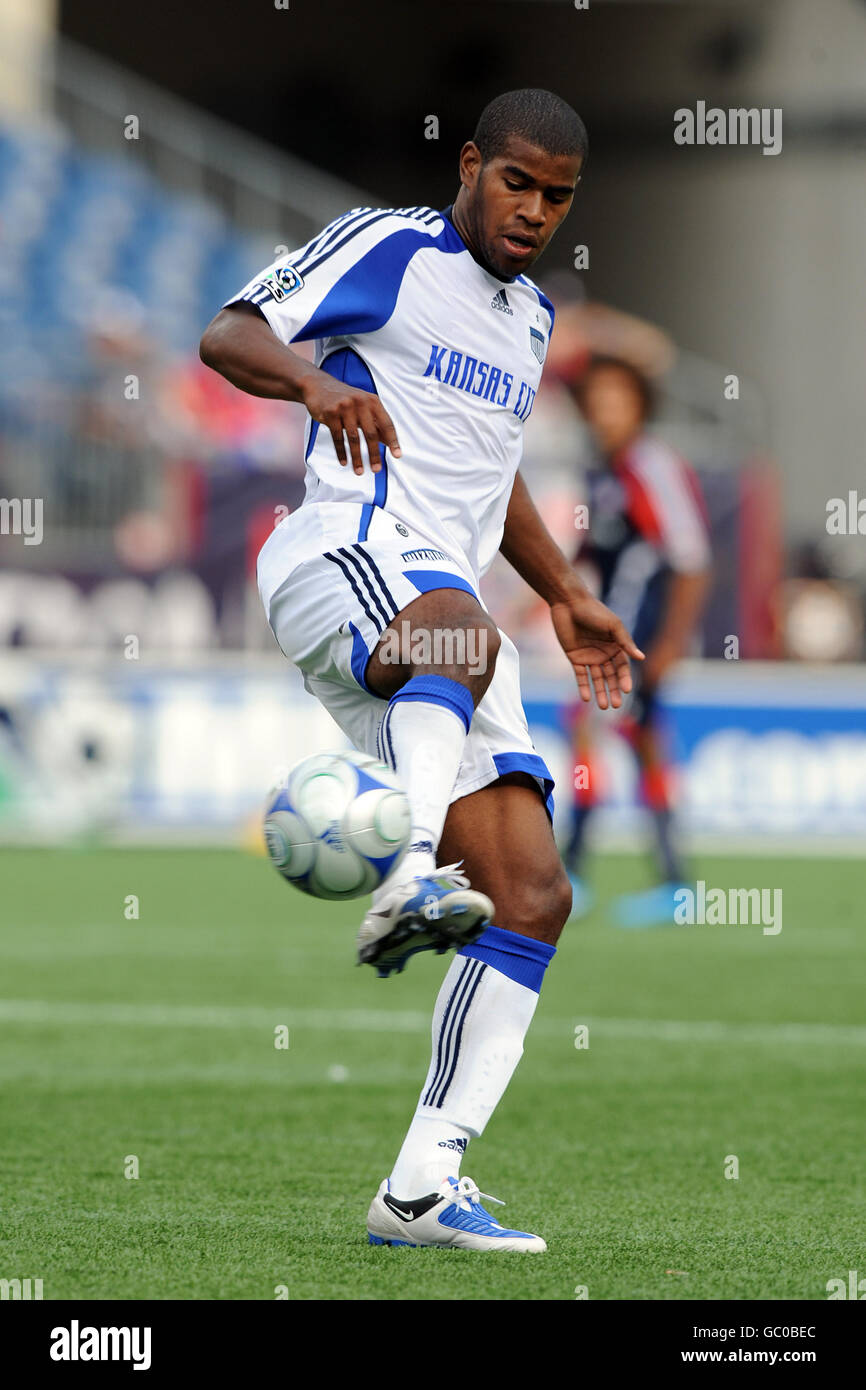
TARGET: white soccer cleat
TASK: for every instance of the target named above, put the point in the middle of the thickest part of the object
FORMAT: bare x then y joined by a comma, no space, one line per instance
423,914
452,1217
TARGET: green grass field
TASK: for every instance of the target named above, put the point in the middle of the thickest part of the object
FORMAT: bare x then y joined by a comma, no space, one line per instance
155,1038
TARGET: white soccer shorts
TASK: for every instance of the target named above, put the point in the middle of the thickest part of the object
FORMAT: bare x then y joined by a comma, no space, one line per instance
332,577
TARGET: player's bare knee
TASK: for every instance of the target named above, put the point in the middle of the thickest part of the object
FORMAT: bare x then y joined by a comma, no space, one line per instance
444,632
553,904
462,646
492,642
483,641
560,899
537,905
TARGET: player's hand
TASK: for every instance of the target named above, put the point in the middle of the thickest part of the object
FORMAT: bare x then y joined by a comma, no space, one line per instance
350,413
598,647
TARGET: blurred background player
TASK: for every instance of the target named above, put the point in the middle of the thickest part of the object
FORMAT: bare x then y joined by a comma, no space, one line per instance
646,544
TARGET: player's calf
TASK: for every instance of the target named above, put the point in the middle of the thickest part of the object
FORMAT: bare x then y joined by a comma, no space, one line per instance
505,839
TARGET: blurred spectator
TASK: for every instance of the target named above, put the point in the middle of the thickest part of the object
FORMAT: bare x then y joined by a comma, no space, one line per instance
820,614
645,544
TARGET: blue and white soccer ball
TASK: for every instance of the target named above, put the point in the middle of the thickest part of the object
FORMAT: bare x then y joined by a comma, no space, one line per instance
337,824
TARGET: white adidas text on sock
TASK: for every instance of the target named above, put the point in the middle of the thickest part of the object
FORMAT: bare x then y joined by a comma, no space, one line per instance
432,1151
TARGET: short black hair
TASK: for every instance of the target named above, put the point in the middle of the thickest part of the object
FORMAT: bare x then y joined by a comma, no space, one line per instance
540,117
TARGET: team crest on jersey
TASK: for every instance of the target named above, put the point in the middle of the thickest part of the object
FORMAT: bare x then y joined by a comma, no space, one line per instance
536,342
282,282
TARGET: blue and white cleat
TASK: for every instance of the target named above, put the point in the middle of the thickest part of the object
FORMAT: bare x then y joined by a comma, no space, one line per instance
452,1217
423,914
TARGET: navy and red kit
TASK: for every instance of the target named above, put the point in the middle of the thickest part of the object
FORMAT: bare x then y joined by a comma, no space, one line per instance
646,522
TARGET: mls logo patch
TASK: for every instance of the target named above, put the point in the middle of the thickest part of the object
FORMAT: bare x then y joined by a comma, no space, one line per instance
282,283
536,342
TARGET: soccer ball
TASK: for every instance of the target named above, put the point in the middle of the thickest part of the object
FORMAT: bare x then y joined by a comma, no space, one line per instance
337,824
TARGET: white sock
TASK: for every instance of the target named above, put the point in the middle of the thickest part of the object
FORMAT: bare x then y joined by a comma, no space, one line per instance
421,736
479,1025
432,1151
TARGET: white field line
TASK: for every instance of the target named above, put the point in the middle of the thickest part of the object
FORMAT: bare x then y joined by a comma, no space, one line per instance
42,1012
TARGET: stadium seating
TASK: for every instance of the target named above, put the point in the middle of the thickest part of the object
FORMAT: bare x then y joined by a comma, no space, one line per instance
75,223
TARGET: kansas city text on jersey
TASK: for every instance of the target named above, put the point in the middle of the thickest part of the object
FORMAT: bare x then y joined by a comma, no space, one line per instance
480,379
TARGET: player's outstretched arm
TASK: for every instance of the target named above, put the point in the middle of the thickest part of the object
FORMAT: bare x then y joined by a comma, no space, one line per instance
240,345
592,637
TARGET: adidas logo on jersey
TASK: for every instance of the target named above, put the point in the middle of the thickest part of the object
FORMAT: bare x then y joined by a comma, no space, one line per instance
499,301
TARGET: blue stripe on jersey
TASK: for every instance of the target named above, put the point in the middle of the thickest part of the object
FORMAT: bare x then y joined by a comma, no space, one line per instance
337,234
358,219
363,298
425,580
335,246
346,365
314,430
451,238
360,657
380,491
542,298
332,230
366,518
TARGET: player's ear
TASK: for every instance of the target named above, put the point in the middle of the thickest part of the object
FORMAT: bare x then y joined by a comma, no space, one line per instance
470,163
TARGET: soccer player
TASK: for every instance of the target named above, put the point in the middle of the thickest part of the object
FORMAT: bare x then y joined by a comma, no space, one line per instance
429,345
648,544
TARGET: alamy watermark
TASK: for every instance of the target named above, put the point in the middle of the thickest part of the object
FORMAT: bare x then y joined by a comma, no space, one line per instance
22,516
738,125
846,516
77,1343
854,1287
721,907
20,1289
441,646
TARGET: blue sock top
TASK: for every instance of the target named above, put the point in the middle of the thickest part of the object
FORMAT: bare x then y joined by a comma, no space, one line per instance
521,958
439,690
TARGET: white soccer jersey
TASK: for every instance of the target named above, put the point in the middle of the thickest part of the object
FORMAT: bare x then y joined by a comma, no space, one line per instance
397,305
